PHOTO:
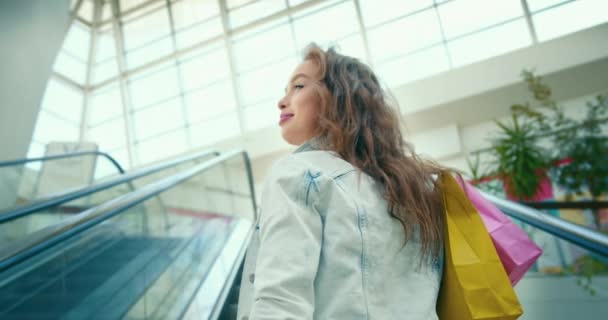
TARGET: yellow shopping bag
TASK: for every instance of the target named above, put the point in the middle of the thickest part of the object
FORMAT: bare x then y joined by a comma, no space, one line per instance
475,285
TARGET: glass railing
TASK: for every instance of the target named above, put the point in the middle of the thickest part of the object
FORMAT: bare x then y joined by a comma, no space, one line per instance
18,222
165,250
570,278
27,180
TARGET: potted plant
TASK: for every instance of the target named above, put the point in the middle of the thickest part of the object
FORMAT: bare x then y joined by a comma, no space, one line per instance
579,144
519,161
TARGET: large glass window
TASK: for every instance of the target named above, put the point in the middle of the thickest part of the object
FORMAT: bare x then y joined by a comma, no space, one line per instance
160,118
569,17
319,24
215,130
153,86
146,36
164,146
204,67
182,66
262,46
74,54
210,101
267,82
59,116
490,43
404,36
109,134
104,104
106,64
244,12
378,11
464,16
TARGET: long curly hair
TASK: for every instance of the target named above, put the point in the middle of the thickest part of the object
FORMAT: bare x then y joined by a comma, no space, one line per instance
358,121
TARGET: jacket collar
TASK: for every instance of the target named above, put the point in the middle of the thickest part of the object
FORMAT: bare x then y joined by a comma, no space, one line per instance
311,144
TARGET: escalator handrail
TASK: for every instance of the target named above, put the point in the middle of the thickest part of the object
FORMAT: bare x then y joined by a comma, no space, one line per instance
63,156
42,204
586,238
59,232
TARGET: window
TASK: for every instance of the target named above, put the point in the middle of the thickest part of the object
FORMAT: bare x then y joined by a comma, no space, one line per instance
261,115
489,43
217,129
378,11
104,104
154,86
210,102
405,35
204,68
252,10
266,83
108,135
321,27
161,147
158,119
263,46
190,12
145,29
414,66
569,18
464,16
63,100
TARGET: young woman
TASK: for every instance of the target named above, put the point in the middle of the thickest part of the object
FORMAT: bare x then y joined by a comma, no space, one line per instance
351,223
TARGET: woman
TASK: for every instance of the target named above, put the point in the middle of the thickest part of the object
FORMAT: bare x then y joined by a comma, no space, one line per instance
351,223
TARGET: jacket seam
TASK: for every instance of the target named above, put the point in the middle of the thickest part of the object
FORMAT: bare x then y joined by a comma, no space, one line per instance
362,226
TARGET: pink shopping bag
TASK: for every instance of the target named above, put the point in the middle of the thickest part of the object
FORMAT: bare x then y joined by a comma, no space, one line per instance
515,249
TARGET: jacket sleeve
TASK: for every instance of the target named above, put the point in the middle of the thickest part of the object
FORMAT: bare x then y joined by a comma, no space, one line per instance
290,246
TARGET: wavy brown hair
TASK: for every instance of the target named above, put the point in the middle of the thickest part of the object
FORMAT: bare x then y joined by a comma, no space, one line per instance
359,123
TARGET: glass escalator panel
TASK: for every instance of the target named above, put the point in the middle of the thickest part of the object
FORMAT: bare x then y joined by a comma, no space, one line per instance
29,180
21,227
567,281
149,261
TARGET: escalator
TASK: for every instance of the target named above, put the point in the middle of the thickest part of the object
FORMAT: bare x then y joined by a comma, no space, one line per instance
148,253
172,249
51,198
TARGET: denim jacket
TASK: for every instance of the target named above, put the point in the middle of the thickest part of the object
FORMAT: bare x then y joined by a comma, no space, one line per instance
325,247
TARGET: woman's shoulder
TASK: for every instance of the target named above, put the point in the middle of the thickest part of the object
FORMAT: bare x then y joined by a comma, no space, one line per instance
316,163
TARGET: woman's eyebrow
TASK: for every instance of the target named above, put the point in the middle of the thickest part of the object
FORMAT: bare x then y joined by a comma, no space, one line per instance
298,76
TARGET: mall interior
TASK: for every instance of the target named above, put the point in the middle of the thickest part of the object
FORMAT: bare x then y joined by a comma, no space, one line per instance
136,134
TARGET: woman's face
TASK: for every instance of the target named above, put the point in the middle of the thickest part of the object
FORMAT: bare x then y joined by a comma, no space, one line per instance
301,105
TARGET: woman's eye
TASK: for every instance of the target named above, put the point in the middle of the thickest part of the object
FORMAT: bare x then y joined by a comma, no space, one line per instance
298,86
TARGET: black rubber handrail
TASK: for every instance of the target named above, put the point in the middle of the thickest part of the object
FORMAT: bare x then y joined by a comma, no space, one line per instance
63,156
57,233
42,204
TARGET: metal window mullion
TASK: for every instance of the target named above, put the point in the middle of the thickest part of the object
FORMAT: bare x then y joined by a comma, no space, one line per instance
290,20
233,75
528,15
214,39
97,5
124,92
74,14
444,40
75,85
180,82
363,31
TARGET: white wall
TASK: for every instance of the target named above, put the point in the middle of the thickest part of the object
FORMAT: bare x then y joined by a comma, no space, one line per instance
31,33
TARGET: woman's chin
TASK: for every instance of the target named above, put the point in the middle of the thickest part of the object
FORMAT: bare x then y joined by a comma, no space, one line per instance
290,138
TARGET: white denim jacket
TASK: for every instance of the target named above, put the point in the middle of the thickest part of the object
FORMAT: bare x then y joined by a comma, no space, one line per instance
325,247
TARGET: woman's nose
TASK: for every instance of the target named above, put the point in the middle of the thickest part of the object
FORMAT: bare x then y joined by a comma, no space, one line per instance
281,104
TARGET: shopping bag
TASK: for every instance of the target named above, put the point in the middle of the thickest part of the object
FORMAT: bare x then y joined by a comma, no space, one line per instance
515,249
474,283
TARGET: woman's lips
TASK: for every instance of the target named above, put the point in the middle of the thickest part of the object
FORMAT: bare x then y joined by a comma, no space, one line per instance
285,117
